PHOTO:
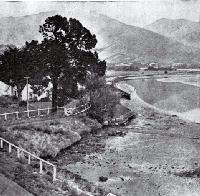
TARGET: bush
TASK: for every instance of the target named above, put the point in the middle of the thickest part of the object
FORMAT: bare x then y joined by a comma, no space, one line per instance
45,99
5,101
14,98
103,99
22,103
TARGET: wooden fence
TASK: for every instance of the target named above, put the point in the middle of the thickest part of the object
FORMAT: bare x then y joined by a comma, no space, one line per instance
122,120
40,112
28,114
78,110
29,155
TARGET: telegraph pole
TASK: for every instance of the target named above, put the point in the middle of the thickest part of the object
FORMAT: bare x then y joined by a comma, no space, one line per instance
27,105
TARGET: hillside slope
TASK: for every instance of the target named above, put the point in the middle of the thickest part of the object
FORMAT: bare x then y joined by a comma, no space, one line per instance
185,31
117,42
125,43
17,30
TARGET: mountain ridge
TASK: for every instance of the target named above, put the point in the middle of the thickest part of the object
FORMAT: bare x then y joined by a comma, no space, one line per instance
117,41
182,30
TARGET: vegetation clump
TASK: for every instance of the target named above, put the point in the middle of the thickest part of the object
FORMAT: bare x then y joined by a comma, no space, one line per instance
46,139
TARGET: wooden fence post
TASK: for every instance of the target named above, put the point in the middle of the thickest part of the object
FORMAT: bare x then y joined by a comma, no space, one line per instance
1,144
9,148
54,173
29,159
28,114
48,111
17,115
18,153
40,166
38,112
5,116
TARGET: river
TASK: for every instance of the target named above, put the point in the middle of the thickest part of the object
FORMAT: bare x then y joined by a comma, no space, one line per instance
175,94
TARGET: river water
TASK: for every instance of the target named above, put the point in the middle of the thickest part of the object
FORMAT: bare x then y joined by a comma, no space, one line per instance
180,94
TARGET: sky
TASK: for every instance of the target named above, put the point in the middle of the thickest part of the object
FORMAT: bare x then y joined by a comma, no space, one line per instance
138,12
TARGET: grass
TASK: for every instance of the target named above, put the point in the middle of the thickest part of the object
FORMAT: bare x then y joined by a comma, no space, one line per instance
14,107
45,139
28,177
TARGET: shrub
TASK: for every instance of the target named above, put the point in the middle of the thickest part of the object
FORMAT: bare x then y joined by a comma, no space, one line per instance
14,98
103,99
22,103
45,99
5,101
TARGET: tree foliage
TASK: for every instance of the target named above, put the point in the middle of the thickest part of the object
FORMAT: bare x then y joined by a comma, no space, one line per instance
65,57
66,54
14,68
103,99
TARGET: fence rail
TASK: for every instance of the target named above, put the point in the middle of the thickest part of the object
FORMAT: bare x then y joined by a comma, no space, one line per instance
43,112
30,155
66,111
123,119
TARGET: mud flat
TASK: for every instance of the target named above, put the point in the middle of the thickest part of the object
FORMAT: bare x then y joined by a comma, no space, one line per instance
175,95
157,154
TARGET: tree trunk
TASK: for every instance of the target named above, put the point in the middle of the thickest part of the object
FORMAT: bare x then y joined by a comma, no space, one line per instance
55,94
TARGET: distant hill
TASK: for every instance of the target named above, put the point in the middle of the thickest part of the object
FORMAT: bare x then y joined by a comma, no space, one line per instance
184,31
17,30
117,42
125,43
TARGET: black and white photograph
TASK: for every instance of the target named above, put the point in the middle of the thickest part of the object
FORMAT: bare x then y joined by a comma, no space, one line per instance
100,98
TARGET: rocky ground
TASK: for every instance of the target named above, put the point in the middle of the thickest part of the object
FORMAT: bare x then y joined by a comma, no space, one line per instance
156,154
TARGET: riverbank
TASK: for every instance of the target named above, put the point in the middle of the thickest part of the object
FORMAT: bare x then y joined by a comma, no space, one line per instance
168,94
157,154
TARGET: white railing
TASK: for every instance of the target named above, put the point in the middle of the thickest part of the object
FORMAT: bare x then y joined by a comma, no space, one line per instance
119,120
67,112
38,112
77,110
20,150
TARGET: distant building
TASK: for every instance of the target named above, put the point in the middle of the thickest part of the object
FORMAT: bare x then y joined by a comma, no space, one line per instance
46,93
12,91
7,90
